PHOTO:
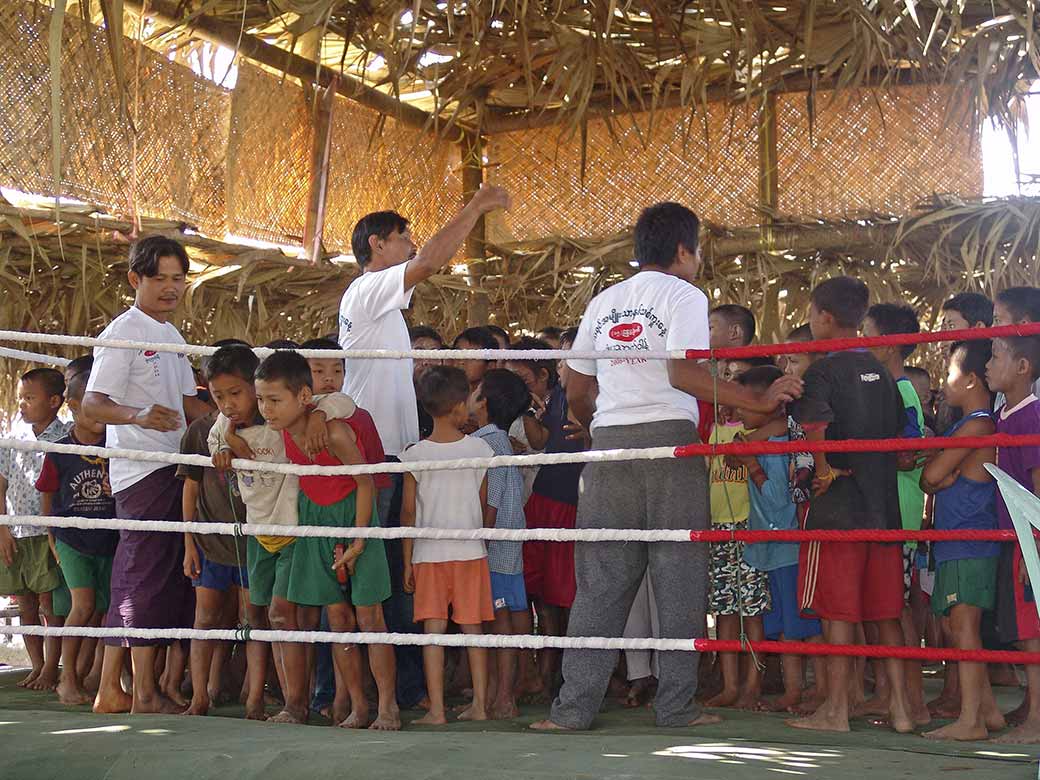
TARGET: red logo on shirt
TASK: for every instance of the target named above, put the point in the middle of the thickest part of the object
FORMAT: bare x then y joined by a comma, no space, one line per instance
627,331
149,353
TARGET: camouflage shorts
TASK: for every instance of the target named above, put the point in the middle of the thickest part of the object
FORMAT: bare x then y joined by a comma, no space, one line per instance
736,588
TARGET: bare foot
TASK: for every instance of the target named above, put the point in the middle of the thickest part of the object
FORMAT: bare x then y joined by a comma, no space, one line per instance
994,719
431,718
1026,734
355,720
112,702
504,710
920,714
387,721
158,704
727,698
900,721
548,725
422,704
808,705
705,719
786,703
255,711
174,695
1018,715
473,712
821,720
960,731
944,708
70,694
538,696
200,707
285,716
47,680
750,701
92,682
874,706
636,695
30,678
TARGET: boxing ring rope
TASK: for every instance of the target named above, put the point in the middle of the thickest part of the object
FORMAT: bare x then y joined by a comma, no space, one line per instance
580,535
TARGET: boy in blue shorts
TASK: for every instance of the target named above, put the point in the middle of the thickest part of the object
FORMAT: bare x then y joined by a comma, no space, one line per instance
772,509
78,486
500,398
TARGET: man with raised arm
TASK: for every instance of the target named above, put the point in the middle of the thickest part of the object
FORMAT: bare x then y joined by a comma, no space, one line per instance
144,397
370,317
645,403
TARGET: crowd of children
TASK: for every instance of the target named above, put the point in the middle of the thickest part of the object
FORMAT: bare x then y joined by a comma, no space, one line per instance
287,409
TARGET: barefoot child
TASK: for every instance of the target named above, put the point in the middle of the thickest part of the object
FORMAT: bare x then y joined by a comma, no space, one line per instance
499,399
1012,370
283,388
78,486
773,509
965,498
27,569
448,575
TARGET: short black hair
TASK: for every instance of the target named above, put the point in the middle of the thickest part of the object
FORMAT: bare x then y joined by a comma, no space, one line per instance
282,344
234,359
480,337
972,357
50,379
146,253
801,333
845,298
549,364
1026,348
288,367
893,318
441,388
204,360
974,307
551,331
320,343
76,385
507,396
912,371
735,314
1023,303
80,365
378,223
569,336
417,332
661,229
755,361
760,377
499,333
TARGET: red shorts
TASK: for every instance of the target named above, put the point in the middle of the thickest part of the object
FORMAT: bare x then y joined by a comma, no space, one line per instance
851,581
549,566
462,586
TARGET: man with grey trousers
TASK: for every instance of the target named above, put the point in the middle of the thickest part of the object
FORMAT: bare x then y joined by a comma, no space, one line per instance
645,403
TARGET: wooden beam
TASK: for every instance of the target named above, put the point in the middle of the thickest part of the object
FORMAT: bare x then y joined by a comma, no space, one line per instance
318,173
476,243
230,36
802,239
499,120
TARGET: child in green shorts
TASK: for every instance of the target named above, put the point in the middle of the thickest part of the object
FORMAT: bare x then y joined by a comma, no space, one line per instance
78,486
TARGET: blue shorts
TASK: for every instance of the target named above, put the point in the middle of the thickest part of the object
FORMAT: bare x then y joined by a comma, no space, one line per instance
785,617
508,592
217,576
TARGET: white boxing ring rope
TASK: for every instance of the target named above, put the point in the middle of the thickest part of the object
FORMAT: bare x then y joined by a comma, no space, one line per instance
33,357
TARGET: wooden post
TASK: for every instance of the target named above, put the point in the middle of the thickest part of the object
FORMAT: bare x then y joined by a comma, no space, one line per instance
768,200
318,177
476,247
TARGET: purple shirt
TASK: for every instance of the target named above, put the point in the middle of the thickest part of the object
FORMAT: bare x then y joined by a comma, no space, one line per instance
1019,462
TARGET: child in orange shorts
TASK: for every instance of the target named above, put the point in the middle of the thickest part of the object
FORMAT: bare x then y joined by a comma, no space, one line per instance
448,577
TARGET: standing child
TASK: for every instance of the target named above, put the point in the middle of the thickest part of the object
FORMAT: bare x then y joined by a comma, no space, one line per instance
78,486
28,571
773,509
739,593
283,389
965,498
884,319
500,398
448,576
1012,370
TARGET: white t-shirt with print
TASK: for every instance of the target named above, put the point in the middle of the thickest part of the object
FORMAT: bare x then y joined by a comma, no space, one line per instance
650,311
370,318
448,498
139,378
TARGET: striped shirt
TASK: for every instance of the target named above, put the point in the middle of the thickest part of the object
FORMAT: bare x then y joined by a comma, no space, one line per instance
505,492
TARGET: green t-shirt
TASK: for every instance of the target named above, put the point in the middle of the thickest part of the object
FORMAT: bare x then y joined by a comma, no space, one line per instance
911,497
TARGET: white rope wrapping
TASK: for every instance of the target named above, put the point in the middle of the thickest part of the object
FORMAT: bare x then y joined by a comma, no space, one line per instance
523,641
313,531
384,354
33,357
175,458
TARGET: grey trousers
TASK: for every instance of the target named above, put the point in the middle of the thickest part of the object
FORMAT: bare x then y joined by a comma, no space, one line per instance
655,494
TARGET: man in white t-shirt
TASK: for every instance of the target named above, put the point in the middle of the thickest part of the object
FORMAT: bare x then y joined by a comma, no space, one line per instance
145,397
645,403
370,317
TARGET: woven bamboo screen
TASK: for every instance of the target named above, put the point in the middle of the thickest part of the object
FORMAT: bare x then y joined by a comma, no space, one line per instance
705,159
875,151
174,170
